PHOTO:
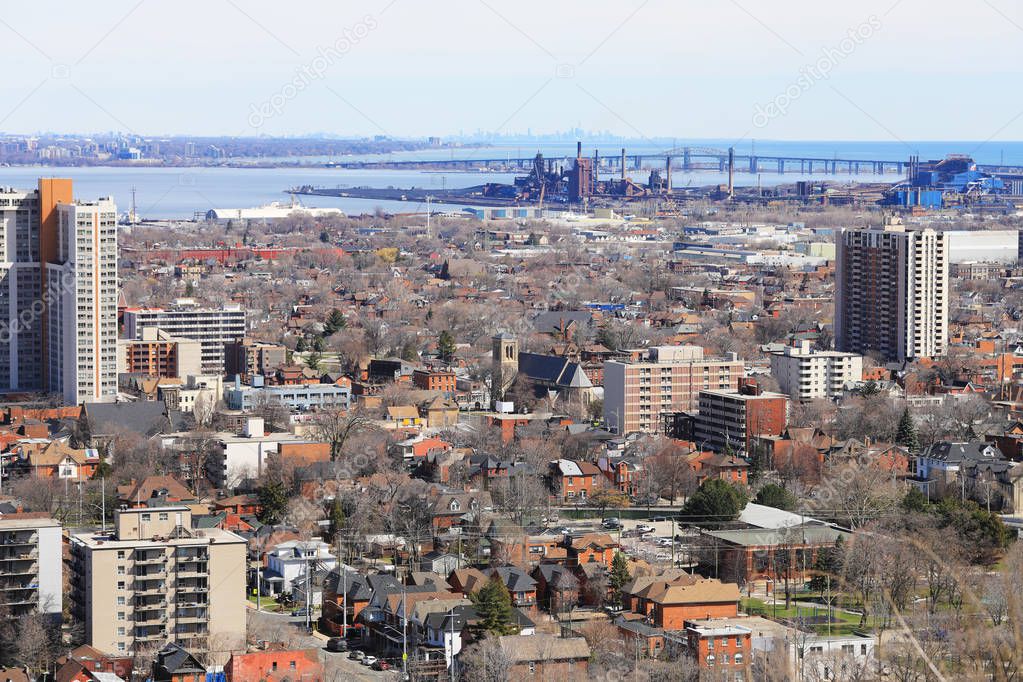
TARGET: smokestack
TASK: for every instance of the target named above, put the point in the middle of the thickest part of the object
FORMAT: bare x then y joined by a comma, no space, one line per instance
667,174
731,171
579,149
623,163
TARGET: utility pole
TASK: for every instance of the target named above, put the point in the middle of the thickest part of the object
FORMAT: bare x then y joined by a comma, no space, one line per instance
404,632
452,661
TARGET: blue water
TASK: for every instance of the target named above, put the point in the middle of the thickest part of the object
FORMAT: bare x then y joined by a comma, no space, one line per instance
181,192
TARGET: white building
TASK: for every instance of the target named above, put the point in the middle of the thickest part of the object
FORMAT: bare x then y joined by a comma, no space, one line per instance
212,327
806,374
289,560
31,564
81,293
892,292
242,456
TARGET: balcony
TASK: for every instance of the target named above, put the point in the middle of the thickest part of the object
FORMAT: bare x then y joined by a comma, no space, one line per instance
158,574
150,587
150,616
150,559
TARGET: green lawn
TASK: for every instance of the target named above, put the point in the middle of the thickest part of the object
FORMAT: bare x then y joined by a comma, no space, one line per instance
843,623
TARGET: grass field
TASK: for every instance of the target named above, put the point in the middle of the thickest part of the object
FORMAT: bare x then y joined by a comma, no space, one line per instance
842,622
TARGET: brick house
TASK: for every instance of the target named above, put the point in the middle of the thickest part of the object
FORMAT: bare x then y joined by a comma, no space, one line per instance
434,380
592,547
277,663
720,646
545,657
768,554
674,597
574,481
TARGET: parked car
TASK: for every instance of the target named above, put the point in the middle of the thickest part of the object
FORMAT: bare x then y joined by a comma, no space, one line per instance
357,655
381,665
659,519
612,522
645,528
665,542
337,644
369,660
303,612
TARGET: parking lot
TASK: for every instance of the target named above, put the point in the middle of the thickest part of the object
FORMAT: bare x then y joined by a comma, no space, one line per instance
645,539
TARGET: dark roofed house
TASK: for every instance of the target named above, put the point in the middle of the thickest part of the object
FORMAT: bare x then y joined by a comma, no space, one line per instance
103,422
173,663
520,585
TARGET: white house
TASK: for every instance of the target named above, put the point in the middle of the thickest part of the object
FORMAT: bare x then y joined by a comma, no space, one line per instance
289,560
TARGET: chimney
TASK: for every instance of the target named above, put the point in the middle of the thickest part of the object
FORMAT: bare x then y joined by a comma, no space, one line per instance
623,163
579,149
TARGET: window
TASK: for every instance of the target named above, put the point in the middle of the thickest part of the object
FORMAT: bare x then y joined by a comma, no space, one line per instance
292,665
120,584
738,642
146,517
163,516
532,668
120,554
120,615
710,644
120,632
738,659
725,659
710,660
120,601
274,665
120,570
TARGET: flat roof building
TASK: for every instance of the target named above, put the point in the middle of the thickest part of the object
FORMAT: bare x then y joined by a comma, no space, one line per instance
152,579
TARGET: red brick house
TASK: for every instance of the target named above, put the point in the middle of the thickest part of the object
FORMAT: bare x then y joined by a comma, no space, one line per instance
574,481
673,598
589,548
275,664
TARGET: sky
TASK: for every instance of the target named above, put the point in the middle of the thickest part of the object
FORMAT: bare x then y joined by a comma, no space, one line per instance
729,69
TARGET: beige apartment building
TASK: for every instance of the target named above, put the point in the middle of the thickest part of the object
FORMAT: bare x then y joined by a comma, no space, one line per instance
153,579
638,396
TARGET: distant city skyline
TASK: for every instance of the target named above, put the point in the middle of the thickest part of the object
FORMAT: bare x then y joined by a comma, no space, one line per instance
656,69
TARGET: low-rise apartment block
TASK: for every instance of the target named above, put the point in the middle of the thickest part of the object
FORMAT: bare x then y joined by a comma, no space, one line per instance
213,328
639,396
152,579
730,419
806,374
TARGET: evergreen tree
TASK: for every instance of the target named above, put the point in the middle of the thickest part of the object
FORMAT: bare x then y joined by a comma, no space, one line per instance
618,577
494,608
446,346
915,501
335,322
312,361
301,344
905,435
714,502
318,344
337,517
825,568
773,495
273,502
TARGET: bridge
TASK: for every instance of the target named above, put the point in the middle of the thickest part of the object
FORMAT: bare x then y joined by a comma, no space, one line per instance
684,158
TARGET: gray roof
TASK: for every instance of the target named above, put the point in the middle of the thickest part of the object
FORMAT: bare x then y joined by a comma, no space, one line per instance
147,418
553,321
766,537
553,369
947,451
515,579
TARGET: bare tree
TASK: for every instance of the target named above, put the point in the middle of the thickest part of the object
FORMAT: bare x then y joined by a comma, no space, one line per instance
336,426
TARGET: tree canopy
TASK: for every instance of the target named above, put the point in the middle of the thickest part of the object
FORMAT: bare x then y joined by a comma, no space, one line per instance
715,501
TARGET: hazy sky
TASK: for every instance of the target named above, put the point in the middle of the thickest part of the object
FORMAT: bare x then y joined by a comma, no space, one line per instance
913,70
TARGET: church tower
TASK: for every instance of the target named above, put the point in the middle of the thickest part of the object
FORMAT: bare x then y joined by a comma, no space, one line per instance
505,364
